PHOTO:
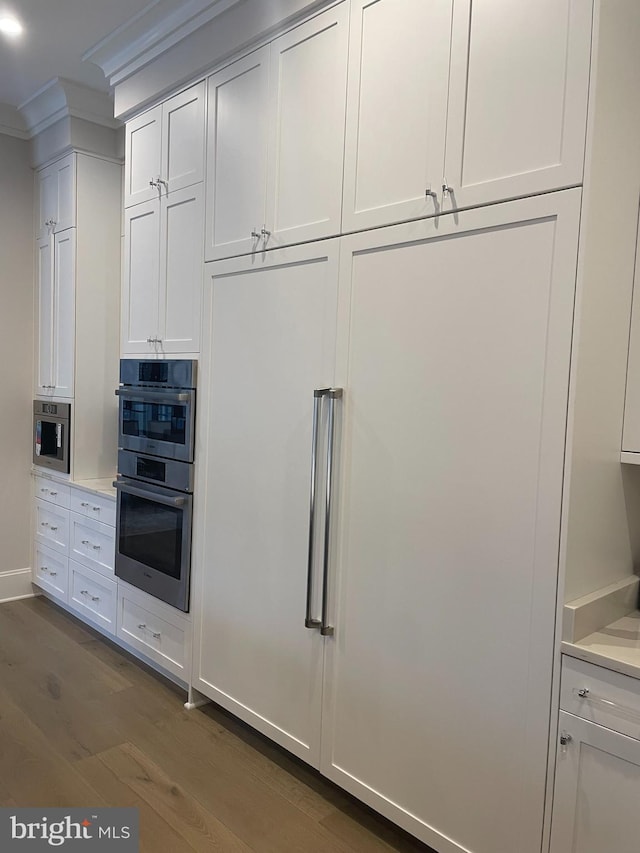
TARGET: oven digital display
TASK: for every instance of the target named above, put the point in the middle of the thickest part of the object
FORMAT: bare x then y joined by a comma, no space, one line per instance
153,371
151,469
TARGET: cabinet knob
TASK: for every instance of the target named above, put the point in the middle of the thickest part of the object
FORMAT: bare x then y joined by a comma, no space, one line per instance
96,509
53,574
583,692
96,547
84,503
53,494
85,541
53,528
44,568
565,738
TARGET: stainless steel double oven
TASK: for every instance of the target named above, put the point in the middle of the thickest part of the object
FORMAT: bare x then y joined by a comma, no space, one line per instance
155,476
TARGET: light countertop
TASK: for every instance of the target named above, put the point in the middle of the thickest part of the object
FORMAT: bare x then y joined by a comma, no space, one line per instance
102,486
615,647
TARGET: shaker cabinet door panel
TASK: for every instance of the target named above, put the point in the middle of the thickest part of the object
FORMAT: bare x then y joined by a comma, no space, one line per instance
44,335
64,323
140,285
56,197
237,139
308,94
269,342
183,139
518,98
180,288
454,339
597,790
397,109
142,156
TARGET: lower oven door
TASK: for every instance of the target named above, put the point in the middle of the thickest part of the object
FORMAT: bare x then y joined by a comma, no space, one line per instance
153,540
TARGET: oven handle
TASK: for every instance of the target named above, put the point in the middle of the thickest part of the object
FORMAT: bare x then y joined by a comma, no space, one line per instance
149,495
153,396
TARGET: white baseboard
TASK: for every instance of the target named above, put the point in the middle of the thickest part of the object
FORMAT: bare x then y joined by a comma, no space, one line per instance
15,584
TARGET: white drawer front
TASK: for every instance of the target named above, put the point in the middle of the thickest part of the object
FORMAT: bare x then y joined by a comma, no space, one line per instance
93,544
156,638
56,493
96,507
51,572
93,596
52,526
601,696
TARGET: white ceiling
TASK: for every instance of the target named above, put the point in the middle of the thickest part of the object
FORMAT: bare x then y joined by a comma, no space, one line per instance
57,33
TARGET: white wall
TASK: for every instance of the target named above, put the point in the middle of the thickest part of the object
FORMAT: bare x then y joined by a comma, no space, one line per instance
16,361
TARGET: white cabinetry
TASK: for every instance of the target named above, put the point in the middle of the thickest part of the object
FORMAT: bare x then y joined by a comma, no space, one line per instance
275,141
505,92
597,786
480,361
162,286
56,197
78,272
164,147
56,313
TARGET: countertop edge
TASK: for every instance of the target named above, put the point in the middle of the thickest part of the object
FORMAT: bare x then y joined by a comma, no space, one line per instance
575,650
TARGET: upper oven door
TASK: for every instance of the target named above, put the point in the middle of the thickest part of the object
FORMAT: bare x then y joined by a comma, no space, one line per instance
160,423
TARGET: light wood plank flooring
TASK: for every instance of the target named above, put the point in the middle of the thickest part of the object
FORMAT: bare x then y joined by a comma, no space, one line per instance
84,724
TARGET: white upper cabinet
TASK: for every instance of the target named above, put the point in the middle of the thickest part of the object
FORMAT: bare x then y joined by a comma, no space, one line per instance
237,140
56,261
396,110
56,197
459,103
162,283
275,141
308,90
517,99
164,147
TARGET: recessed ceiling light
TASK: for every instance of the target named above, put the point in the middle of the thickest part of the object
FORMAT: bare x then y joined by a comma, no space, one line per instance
10,26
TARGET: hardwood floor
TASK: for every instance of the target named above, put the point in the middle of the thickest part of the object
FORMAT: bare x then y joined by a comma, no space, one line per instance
84,724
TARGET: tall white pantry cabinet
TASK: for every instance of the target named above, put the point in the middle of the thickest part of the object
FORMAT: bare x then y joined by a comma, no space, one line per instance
389,397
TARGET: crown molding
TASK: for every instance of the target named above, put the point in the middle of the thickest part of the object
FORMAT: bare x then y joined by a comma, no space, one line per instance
62,98
12,123
150,33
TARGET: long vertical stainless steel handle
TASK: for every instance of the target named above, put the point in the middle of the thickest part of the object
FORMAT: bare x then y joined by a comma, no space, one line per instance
309,621
325,629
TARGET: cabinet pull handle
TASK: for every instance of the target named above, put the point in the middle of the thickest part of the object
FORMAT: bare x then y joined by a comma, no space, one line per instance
44,568
309,621
156,634
585,695
164,183
53,494
44,491
153,183
446,189
256,235
429,193
96,547
44,524
53,574
96,509
84,503
332,394
95,598
84,592
266,234
53,528
142,626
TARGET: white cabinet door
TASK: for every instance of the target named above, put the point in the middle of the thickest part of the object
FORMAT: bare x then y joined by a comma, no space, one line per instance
56,197
64,318
396,110
183,135
308,69
454,340
140,283
269,341
142,156
237,141
597,790
44,331
180,278
518,98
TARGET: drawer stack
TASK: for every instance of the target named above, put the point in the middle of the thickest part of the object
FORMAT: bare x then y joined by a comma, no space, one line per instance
74,562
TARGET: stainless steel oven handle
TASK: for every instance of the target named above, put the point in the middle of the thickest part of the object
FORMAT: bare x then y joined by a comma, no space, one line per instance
168,398
150,496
